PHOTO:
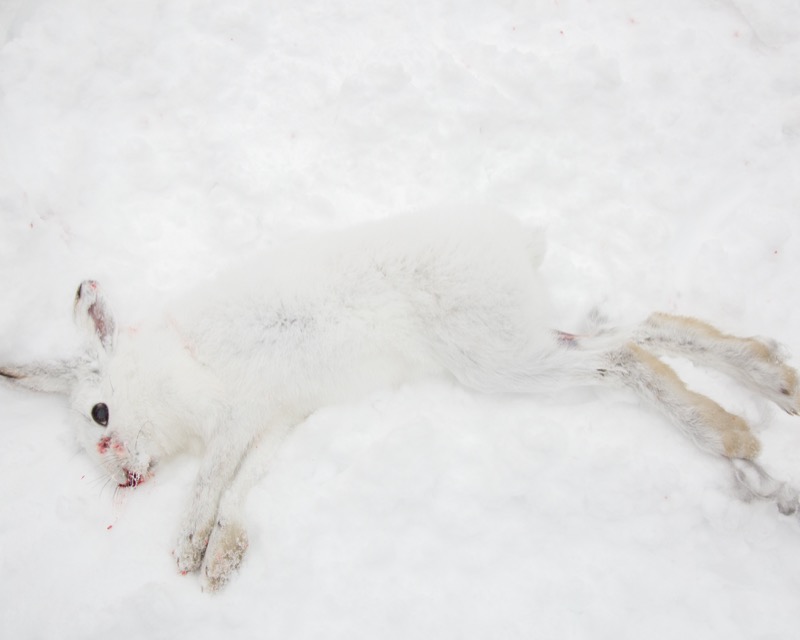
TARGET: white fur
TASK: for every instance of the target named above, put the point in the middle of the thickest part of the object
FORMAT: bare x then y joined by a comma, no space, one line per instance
235,365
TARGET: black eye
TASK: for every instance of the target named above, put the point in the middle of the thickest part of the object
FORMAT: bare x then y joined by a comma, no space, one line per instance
100,414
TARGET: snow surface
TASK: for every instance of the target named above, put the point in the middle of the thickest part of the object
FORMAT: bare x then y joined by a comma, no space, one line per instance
148,143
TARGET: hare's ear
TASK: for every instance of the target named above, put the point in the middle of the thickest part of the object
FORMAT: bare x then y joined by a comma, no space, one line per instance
93,316
57,376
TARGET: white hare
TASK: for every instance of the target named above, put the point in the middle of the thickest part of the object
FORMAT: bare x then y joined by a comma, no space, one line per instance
332,317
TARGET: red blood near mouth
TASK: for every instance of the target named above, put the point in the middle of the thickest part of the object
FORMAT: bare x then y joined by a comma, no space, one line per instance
132,479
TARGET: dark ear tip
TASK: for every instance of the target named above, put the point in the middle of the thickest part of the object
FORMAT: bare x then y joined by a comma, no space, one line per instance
92,284
8,374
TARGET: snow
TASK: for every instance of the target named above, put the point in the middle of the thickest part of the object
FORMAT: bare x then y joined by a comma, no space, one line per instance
149,143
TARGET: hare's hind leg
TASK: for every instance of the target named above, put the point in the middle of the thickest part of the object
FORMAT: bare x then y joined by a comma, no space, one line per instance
615,357
754,482
757,363
703,420
709,425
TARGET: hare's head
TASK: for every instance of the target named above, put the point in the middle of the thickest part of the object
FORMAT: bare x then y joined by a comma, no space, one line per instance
105,388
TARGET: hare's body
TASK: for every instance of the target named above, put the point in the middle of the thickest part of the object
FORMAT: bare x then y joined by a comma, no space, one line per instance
333,317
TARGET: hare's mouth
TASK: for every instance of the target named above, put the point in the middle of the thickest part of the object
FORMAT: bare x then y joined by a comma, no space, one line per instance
134,478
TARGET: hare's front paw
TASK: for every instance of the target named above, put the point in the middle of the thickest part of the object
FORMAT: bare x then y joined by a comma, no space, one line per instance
191,548
225,551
